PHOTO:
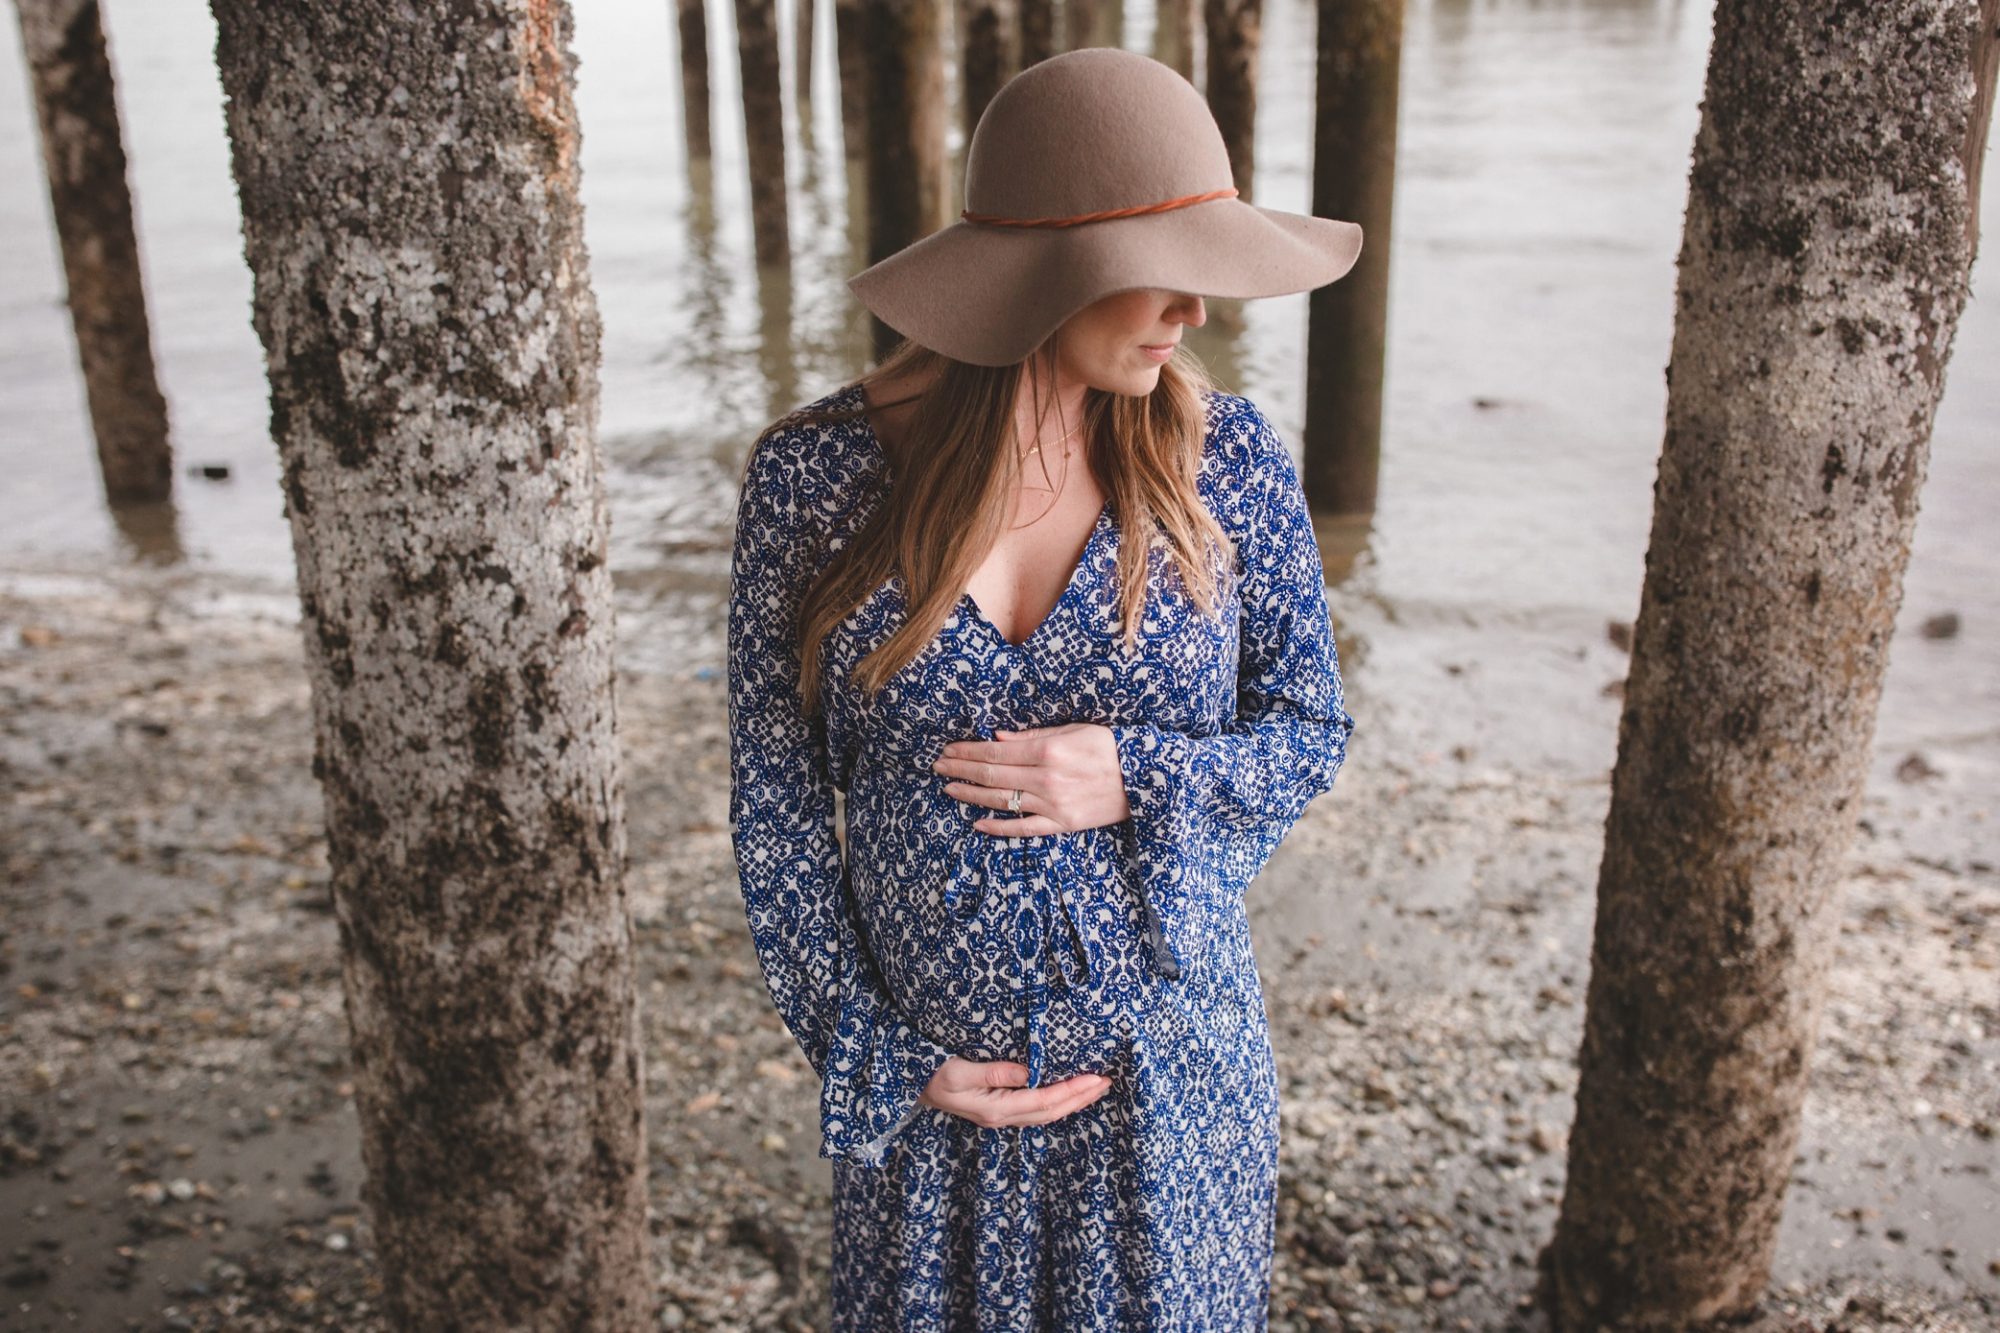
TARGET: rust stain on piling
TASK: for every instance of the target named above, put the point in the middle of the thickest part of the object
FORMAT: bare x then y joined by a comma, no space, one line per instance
544,88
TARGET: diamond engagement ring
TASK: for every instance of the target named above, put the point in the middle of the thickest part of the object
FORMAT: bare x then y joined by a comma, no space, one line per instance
1014,802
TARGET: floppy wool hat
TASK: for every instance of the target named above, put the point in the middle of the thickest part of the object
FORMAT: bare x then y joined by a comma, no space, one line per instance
1092,172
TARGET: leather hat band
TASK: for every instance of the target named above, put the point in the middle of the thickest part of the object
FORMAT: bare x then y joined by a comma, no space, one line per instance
1165,205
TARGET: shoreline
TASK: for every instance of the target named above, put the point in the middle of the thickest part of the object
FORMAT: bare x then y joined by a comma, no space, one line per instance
180,1149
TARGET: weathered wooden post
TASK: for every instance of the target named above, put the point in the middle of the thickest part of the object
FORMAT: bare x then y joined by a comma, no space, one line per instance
422,293
1354,177
692,27
1235,30
763,128
906,159
850,48
1038,31
83,157
986,30
1083,22
802,52
1173,36
1824,264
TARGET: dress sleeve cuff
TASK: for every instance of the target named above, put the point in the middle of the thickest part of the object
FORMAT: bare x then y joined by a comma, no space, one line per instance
866,1101
1153,763
1151,766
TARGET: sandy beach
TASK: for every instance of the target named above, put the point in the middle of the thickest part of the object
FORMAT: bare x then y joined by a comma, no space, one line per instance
179,1147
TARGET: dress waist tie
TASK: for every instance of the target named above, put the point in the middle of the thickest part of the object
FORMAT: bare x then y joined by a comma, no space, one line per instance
1045,927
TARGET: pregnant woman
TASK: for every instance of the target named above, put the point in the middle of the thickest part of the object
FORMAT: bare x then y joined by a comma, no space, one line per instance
1047,607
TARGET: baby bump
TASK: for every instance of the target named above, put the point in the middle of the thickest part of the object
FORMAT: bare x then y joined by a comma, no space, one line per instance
1007,948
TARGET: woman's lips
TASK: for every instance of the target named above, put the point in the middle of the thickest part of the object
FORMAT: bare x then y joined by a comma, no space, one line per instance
1159,351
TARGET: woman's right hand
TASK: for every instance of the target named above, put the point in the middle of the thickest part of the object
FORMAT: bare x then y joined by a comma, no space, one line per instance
995,1093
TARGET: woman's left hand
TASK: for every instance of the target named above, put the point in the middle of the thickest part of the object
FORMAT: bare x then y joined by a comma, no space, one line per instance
1068,775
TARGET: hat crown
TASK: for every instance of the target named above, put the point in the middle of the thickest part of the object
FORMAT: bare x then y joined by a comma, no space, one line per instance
1091,130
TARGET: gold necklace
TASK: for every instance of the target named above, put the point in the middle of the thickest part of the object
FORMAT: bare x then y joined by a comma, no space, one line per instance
1055,491
1058,440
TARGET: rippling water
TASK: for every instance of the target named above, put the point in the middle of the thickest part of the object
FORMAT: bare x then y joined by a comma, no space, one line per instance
1543,177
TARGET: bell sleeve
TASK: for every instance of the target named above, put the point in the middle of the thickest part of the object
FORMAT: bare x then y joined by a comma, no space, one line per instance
872,1064
1208,811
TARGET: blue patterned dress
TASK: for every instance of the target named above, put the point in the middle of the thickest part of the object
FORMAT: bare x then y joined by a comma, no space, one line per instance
1122,949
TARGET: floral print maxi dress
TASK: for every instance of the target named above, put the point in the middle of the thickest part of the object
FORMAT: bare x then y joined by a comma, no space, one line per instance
1122,949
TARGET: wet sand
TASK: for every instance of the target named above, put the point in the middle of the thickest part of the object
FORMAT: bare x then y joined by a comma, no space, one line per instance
179,1149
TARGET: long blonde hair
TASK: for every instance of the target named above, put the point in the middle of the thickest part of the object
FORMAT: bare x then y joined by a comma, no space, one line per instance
953,474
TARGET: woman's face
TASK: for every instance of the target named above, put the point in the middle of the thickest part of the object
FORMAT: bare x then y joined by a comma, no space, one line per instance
1119,343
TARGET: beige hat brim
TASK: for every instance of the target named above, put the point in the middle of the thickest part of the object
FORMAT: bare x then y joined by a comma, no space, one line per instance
990,295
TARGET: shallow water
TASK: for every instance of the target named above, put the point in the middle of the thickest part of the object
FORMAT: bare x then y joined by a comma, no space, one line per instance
1544,152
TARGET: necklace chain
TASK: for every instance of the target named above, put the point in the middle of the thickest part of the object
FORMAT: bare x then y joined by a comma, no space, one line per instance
1037,447
1055,492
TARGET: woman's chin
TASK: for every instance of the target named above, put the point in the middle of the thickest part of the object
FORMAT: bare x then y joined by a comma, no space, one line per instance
1131,382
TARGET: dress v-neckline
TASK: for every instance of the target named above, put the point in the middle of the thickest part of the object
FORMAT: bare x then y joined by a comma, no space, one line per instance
968,605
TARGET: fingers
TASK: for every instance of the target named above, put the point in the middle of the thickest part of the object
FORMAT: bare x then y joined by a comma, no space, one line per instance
1010,825
1019,748
965,789
998,777
996,763
962,1079
1026,826
1000,1074
996,1098
1039,1106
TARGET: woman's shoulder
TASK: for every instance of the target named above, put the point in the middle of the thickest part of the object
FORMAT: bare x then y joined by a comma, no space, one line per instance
816,459
1243,454
1237,429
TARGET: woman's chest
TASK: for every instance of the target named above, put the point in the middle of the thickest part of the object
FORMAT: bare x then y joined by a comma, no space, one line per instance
969,679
